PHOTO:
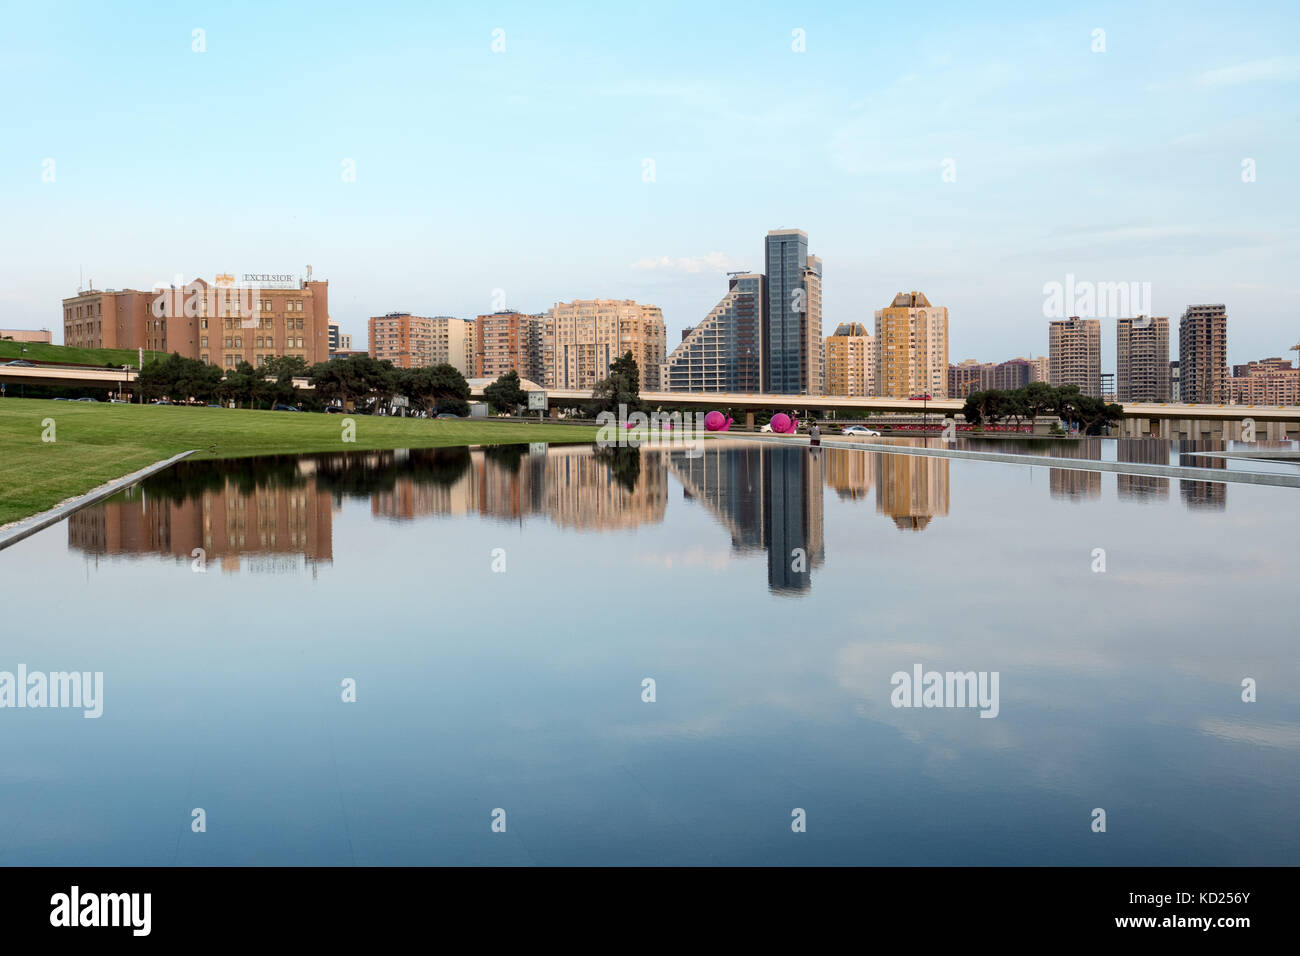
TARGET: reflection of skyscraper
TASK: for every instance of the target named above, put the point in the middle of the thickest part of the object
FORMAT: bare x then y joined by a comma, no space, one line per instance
768,498
1202,495
792,515
1148,452
1077,485
911,489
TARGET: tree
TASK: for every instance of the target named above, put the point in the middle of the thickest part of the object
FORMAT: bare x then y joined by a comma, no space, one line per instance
506,394
1037,398
349,380
440,387
240,384
622,387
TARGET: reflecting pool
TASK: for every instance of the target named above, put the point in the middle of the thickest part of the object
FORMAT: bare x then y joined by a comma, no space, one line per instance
503,616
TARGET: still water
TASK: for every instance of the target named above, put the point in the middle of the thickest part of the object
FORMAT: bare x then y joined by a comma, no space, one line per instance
499,610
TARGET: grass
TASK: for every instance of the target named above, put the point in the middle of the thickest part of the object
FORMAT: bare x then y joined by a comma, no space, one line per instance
96,443
37,352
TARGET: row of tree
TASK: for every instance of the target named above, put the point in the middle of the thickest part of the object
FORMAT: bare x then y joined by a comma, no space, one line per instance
993,406
358,382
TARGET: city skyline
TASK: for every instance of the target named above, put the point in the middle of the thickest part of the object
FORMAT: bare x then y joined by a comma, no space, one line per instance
442,231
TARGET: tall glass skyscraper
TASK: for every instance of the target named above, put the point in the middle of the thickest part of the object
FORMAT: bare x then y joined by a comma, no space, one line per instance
793,361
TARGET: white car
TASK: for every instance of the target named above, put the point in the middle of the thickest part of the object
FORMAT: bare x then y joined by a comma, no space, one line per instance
766,428
861,430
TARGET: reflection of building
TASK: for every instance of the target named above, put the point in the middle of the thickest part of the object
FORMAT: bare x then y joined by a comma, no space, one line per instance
1074,354
850,473
912,489
1202,495
1077,485
770,499
912,348
1203,354
581,339
231,523
850,361
565,483
1145,451
724,352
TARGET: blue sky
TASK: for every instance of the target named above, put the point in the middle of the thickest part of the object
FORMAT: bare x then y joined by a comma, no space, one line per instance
523,170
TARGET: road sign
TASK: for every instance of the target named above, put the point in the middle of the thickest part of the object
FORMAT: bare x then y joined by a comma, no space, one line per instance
537,401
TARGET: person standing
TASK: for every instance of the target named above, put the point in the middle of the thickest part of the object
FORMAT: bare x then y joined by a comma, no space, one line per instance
815,434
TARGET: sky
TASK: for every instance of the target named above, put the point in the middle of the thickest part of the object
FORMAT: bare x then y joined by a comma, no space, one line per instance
454,159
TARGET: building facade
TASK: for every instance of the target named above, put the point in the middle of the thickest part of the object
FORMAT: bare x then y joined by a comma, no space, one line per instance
1203,354
970,376
724,353
1270,381
851,361
222,323
912,348
582,339
417,341
509,341
793,353
1074,354
36,336
1142,359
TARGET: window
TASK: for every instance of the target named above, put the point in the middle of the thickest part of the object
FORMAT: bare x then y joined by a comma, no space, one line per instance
228,342
239,341
203,341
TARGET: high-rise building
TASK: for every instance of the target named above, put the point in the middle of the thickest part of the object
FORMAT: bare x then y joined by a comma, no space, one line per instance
793,355
724,353
1175,382
1142,359
582,339
335,337
1074,354
1203,353
222,323
850,361
345,342
417,341
912,348
509,341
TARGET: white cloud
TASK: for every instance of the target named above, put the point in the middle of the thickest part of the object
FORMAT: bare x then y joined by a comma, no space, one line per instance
712,262
1273,68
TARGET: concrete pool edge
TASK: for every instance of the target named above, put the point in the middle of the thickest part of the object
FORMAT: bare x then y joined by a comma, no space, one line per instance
1186,472
16,531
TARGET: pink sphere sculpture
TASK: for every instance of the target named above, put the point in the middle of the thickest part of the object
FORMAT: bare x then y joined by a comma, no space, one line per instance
717,422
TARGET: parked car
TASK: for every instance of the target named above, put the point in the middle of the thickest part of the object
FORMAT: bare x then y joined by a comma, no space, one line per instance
86,400
334,410
861,430
449,415
284,408
20,363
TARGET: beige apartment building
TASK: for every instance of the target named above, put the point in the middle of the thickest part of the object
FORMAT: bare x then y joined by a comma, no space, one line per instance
911,348
582,338
1270,381
509,341
34,336
1203,354
417,341
1142,359
850,361
222,323
1074,354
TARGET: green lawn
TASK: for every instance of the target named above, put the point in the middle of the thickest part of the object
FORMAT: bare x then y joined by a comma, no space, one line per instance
95,443
59,353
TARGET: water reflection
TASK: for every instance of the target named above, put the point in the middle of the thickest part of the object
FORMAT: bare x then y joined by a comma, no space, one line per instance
276,514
